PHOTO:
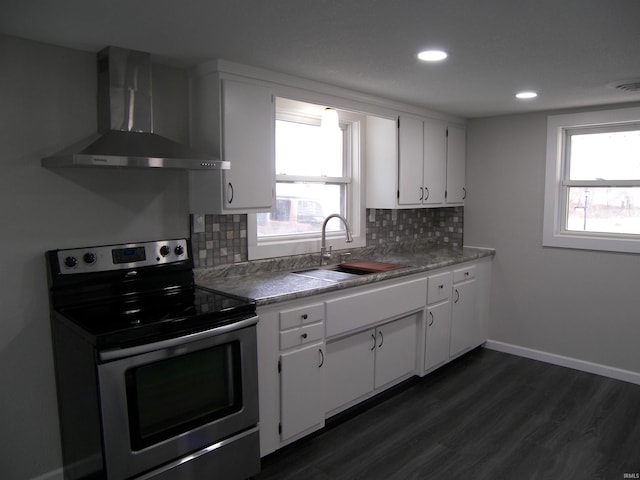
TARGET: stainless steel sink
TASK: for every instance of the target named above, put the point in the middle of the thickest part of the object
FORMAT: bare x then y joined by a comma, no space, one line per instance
341,272
331,273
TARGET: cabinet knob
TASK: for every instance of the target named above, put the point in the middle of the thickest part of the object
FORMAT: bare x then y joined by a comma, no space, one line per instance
304,335
305,316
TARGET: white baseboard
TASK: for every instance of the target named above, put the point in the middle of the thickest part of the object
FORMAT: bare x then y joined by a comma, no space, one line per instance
582,365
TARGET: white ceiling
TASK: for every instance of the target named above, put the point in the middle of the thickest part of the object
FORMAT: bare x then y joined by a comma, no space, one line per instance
568,50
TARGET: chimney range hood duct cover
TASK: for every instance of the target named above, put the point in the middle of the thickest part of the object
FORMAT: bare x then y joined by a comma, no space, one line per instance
125,124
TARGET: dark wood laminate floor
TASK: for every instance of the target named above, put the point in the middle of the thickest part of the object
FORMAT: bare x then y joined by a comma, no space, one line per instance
488,415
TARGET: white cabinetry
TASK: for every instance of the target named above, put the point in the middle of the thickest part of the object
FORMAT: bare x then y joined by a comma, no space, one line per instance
464,312
438,320
414,162
350,369
456,161
372,340
456,315
301,383
320,355
235,120
301,370
362,363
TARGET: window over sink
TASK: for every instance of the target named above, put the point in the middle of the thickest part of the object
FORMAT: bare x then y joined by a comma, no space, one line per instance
318,172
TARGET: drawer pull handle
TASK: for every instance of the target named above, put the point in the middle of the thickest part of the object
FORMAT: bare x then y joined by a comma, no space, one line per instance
457,296
321,358
431,317
374,341
305,316
304,335
381,339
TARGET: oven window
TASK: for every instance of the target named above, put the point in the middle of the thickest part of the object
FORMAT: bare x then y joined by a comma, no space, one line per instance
172,396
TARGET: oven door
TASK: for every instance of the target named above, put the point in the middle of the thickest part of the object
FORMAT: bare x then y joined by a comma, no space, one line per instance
164,401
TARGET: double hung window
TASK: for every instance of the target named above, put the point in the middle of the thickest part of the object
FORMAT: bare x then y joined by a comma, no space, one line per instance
592,194
317,174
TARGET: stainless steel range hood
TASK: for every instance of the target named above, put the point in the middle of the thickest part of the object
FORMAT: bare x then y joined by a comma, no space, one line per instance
125,123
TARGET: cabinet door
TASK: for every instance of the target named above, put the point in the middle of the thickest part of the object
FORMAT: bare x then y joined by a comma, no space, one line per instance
463,316
248,142
456,158
410,161
349,369
301,390
438,333
435,162
395,350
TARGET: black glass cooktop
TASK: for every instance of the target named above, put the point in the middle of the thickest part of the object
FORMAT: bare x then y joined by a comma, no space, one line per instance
121,322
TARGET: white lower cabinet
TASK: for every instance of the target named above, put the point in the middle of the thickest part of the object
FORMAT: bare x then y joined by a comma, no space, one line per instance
301,390
463,317
323,354
456,314
438,334
350,369
362,363
395,350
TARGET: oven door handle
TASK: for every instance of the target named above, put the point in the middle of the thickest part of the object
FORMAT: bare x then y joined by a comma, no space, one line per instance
116,354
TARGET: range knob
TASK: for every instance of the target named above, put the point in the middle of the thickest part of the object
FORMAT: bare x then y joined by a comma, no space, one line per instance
165,250
89,258
71,262
179,250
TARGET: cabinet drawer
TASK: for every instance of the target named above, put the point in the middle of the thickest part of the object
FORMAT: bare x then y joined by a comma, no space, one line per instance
296,317
301,336
463,274
438,287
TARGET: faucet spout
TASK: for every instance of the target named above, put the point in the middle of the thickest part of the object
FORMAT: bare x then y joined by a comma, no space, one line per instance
324,254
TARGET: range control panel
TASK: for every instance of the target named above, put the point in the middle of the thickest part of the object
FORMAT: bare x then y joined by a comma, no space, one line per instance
124,256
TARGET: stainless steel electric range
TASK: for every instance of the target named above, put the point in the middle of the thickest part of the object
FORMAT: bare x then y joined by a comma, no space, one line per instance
156,377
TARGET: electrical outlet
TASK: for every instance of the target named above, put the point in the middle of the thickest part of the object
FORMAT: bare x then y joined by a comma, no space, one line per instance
197,223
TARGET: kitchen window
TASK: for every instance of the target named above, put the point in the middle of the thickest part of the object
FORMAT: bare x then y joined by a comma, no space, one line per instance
592,187
318,172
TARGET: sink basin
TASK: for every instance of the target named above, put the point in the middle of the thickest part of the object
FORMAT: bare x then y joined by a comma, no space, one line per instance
345,271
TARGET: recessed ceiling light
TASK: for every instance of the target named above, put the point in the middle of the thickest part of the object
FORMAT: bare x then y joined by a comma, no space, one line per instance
432,55
526,95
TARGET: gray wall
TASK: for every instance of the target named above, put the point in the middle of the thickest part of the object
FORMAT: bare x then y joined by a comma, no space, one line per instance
579,304
47,102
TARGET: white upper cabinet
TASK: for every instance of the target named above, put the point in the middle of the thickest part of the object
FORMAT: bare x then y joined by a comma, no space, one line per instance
235,120
456,159
435,162
414,162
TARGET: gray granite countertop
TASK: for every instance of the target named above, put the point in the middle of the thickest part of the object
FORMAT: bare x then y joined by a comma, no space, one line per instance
273,280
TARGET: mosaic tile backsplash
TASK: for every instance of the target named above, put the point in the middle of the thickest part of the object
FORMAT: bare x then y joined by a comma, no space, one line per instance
224,240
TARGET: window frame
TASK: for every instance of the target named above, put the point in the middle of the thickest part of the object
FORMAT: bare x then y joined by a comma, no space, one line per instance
353,124
557,181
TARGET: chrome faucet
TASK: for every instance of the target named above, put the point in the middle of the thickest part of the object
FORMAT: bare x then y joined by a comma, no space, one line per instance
324,254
